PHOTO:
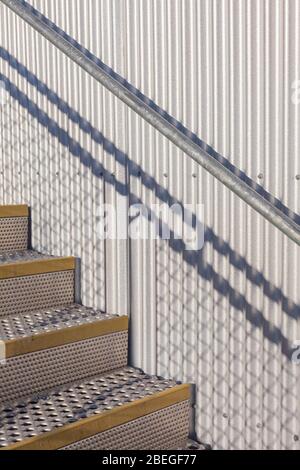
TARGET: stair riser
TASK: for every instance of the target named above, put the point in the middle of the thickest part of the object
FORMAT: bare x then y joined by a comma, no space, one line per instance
165,429
27,375
13,233
31,293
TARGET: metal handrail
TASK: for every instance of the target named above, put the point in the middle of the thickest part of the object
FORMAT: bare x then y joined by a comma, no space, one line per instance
166,128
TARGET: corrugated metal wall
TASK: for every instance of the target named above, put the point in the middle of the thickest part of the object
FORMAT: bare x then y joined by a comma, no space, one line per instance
224,318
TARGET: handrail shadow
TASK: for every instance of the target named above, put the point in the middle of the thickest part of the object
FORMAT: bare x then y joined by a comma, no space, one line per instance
207,148
195,259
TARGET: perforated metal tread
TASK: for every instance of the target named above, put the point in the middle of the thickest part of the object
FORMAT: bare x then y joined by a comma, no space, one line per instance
34,331
52,319
28,262
166,429
21,256
30,374
73,412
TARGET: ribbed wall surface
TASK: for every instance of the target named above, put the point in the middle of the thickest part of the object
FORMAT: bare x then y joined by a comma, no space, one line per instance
223,318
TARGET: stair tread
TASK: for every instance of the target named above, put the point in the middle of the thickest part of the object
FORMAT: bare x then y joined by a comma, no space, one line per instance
20,256
29,262
13,327
96,396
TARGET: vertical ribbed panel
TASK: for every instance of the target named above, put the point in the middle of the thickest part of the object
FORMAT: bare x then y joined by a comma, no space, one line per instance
224,318
50,160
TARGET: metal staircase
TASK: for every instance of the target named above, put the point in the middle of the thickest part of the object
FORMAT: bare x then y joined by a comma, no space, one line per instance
65,382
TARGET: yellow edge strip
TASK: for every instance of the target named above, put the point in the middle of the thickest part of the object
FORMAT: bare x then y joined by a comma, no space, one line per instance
95,424
42,266
73,334
14,211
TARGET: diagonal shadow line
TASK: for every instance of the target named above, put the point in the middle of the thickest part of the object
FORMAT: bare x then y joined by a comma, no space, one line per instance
195,259
210,150
254,276
83,124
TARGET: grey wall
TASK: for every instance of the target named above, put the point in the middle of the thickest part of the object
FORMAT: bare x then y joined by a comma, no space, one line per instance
223,318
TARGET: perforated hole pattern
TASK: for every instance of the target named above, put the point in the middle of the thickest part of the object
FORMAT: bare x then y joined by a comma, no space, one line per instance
15,256
72,403
162,430
52,319
26,375
13,233
31,293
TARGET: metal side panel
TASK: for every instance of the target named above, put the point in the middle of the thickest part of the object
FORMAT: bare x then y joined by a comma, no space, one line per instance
165,429
29,374
30,293
13,233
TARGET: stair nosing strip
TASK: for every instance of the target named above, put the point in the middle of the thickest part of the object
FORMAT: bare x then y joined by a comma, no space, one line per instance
68,335
12,211
87,427
35,267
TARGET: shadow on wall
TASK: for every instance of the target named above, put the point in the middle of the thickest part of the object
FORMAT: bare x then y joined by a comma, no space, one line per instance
55,100
192,260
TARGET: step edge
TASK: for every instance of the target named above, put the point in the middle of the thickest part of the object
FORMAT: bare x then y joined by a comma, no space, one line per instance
14,211
96,424
56,338
35,267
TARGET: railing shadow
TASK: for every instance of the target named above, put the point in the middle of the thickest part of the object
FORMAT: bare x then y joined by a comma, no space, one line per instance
210,150
193,260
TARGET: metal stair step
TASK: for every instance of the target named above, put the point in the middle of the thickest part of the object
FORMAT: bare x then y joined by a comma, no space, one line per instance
13,227
21,256
30,262
65,383
31,281
165,429
62,355
95,412
43,329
